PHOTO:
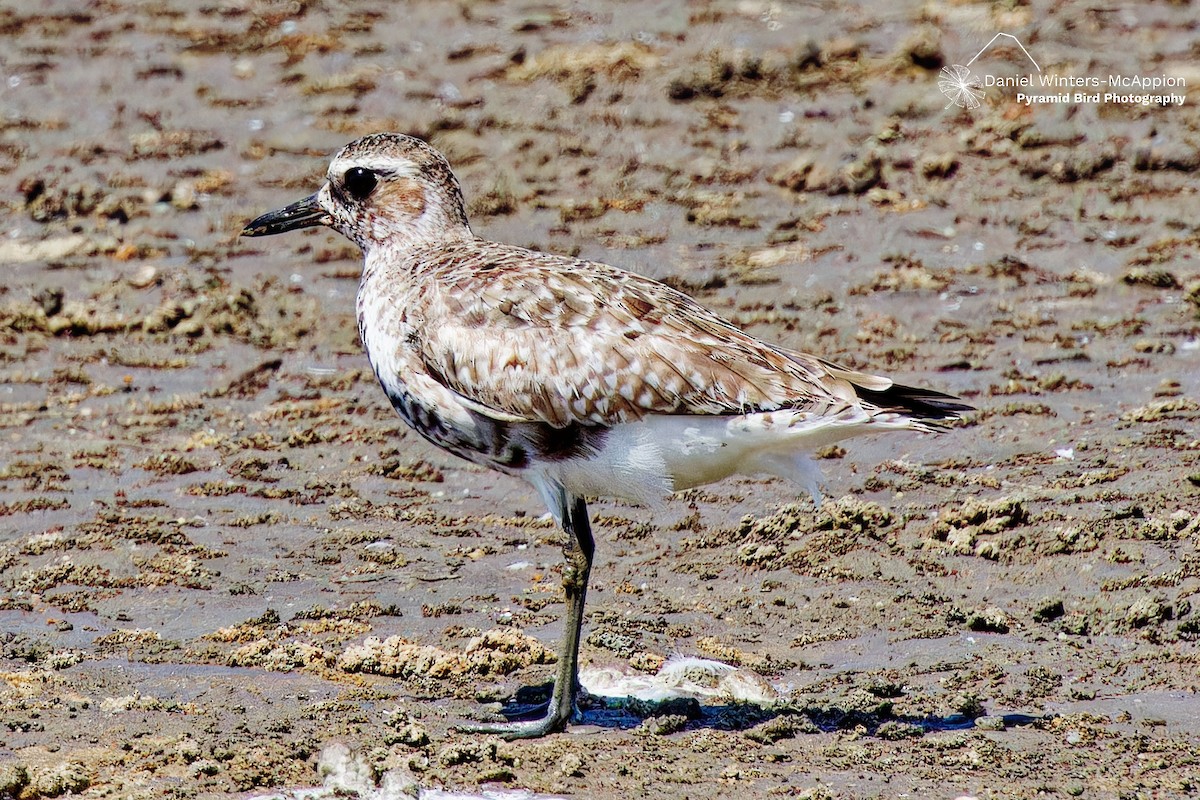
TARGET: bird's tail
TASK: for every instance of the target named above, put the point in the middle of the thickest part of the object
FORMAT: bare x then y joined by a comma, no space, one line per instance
921,405
926,408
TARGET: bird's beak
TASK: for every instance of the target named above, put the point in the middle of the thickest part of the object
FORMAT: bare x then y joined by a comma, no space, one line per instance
301,214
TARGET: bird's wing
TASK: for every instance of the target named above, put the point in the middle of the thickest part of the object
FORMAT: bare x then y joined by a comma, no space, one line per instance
539,337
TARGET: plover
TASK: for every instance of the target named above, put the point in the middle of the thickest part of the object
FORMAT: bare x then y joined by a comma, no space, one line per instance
579,377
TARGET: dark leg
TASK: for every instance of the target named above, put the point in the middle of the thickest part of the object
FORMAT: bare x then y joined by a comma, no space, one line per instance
578,553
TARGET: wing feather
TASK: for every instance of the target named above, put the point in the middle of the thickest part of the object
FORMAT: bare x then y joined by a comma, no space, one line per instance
546,338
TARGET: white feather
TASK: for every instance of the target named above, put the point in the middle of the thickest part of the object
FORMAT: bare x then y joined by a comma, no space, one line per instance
659,454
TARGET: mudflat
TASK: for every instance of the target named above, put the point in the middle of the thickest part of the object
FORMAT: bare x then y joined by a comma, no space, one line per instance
221,552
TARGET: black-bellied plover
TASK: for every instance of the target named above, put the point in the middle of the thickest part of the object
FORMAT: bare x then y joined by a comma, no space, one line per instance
579,377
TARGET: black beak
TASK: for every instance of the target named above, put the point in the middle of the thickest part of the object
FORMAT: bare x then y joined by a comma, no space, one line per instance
301,214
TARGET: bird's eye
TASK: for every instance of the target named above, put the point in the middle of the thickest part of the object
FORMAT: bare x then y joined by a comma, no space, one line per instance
360,182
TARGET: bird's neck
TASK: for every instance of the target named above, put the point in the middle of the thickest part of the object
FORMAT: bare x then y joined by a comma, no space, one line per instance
408,257
397,237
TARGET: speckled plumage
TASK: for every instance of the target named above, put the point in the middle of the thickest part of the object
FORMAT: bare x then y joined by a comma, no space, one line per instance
577,376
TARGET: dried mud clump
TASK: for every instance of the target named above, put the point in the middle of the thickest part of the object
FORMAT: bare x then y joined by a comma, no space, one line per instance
844,514
767,73
1176,526
1193,295
264,315
416,471
784,726
1148,610
1173,408
989,620
907,274
939,165
855,708
663,725
495,652
62,572
722,77
1152,278
962,527
14,778
709,208
1010,269
1077,165
173,144
795,536
620,61
1178,157
405,731
67,777
468,752
820,173
169,464
280,656
45,203
923,49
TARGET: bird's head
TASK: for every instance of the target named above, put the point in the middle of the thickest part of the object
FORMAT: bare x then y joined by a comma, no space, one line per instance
386,189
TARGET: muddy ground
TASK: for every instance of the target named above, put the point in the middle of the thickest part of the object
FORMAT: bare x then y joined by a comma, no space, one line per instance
211,521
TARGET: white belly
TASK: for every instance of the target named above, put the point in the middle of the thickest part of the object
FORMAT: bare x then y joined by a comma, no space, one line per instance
655,456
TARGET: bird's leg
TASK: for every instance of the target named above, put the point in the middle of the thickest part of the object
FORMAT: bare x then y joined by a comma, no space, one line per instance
578,552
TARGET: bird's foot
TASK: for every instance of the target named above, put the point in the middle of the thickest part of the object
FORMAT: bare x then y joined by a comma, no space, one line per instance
555,719
524,729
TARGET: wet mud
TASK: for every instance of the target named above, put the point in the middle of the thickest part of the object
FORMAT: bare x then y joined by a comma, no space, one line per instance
221,552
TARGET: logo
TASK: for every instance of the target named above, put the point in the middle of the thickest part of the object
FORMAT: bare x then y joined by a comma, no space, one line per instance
968,91
964,91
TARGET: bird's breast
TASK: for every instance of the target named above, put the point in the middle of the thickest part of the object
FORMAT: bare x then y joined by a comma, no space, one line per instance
390,328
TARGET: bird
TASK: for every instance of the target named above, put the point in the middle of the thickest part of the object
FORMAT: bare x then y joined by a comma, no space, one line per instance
581,378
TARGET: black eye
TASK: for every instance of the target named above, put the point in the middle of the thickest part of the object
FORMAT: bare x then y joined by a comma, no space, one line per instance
360,182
